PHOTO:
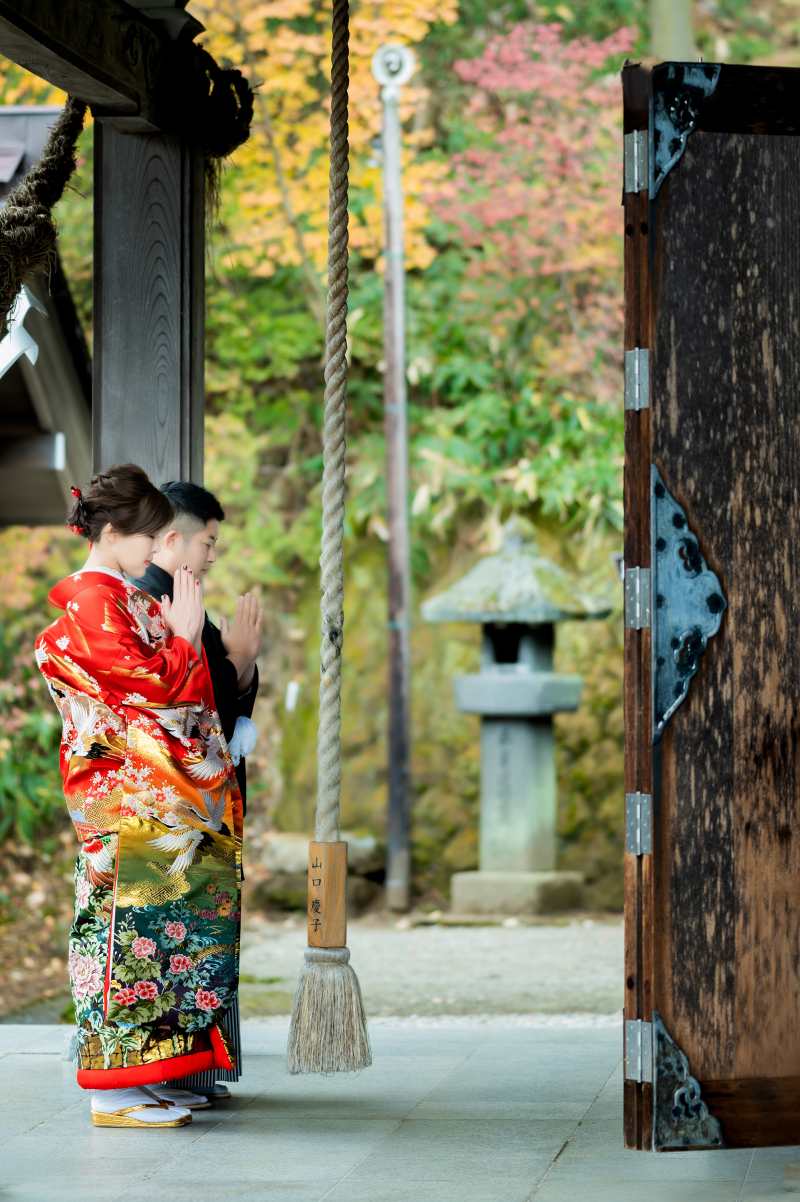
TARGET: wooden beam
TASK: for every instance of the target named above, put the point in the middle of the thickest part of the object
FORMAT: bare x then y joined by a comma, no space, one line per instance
56,391
149,300
102,51
35,451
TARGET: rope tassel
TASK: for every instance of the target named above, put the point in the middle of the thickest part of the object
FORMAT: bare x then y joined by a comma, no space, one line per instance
328,1033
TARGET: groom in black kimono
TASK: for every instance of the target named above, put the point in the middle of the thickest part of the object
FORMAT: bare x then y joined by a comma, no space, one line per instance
231,651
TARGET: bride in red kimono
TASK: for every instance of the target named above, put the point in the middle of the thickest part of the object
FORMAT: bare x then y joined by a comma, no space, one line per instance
150,786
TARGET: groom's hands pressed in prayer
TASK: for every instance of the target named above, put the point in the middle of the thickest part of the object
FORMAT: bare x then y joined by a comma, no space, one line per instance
244,638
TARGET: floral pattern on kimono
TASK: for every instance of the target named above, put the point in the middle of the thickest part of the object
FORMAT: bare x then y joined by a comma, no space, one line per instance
88,944
150,786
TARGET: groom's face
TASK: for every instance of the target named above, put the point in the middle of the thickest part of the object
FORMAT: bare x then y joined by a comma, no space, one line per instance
199,552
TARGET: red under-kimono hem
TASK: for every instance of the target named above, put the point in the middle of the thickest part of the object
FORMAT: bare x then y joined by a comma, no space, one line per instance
160,1070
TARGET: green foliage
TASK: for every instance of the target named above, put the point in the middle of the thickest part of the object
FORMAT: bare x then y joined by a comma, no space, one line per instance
30,728
590,760
29,781
501,419
74,219
737,31
511,409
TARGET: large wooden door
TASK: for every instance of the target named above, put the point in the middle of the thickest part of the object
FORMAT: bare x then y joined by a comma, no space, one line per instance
712,555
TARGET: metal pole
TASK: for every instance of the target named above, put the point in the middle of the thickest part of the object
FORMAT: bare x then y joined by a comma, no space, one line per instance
391,66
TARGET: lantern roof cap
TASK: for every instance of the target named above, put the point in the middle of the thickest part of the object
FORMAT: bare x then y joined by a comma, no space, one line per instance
518,584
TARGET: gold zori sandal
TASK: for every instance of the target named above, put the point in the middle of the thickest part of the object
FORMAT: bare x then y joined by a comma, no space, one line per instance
124,1118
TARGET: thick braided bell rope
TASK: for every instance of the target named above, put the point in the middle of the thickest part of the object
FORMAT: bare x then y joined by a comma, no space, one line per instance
333,447
328,1032
27,229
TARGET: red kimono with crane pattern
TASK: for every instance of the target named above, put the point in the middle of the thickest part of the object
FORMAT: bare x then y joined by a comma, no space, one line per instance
150,786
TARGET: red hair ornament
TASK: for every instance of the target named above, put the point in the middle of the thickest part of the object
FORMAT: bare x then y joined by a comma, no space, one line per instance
78,495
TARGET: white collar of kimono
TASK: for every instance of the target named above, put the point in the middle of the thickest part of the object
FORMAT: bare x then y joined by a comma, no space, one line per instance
108,571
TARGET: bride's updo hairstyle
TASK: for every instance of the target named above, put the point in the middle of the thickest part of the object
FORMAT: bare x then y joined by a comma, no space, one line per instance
123,496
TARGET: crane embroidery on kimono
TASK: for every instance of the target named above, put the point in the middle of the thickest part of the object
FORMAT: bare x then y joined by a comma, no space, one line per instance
191,842
92,722
185,840
214,763
215,808
179,721
99,862
80,711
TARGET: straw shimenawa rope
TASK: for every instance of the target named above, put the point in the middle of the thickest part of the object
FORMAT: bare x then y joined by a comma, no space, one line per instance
329,1031
27,229
210,105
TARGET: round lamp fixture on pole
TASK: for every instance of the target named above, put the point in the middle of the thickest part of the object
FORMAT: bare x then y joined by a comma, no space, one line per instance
393,64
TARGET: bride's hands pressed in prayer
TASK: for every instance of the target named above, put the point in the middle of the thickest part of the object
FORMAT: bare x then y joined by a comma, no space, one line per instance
185,613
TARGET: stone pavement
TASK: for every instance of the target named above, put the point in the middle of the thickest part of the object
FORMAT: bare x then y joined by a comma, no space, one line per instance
476,1112
576,965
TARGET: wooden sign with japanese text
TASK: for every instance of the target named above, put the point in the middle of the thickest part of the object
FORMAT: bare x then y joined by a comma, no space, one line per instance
327,894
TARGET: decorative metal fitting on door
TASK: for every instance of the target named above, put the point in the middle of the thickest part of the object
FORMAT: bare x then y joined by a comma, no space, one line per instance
687,603
681,1119
678,91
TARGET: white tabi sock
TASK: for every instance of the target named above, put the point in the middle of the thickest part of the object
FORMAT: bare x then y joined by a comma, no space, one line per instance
108,1101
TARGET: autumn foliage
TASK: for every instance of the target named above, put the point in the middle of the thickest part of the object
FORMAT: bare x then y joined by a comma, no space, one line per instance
280,188
539,188
512,149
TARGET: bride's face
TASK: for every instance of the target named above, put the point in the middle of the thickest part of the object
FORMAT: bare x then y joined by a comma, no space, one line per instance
132,552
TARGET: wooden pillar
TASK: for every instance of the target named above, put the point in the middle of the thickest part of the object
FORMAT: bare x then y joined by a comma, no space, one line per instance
149,302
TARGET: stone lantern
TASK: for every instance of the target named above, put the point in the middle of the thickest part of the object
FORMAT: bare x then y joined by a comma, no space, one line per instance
517,596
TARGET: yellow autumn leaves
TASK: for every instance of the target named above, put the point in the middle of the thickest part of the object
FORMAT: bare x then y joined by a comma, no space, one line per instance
275,205
279,193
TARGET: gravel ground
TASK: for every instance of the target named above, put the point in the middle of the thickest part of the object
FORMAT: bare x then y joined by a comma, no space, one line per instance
554,970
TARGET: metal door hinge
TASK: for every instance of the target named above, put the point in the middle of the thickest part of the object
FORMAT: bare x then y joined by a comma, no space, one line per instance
638,823
637,379
637,598
635,156
638,1050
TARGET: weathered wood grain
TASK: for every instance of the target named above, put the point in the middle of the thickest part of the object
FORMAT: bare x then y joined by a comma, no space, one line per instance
149,301
725,375
753,100
765,603
327,894
756,1112
693,438
638,969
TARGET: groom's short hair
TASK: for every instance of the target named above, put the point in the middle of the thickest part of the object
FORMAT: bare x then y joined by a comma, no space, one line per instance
194,506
